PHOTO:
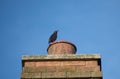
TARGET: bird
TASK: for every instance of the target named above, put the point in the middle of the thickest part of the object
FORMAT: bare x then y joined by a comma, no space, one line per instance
53,37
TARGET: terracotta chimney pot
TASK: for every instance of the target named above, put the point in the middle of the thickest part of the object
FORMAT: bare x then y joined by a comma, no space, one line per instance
61,47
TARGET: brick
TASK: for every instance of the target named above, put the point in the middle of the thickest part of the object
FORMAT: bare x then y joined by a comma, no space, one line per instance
91,63
48,75
51,68
59,63
81,68
30,75
69,68
47,63
65,68
30,64
34,69
78,74
25,75
74,63
96,74
54,75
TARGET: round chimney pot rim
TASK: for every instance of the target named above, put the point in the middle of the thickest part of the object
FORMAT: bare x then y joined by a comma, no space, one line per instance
62,41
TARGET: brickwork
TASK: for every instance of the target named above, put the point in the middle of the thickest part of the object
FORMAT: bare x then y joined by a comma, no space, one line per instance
91,63
62,63
80,67
59,69
59,63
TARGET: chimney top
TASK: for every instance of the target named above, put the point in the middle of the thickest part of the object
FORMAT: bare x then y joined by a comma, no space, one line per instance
61,47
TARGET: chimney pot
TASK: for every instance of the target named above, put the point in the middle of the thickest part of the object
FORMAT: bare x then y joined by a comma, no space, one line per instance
61,47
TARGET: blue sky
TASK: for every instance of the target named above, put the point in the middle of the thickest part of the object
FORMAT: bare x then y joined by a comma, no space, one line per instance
92,25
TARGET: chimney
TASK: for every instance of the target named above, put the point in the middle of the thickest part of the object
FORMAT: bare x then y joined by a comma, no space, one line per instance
62,62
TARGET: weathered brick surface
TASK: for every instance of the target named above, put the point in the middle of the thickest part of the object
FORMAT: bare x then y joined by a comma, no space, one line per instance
91,63
48,63
54,63
54,75
61,63
44,75
59,68
79,68
84,74
78,74
79,63
65,68
34,69
51,68
62,57
30,64
96,74
30,75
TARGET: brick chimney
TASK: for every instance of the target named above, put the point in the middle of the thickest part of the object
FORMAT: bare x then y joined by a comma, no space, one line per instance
61,63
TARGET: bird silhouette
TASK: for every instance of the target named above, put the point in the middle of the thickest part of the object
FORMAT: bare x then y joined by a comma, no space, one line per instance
53,37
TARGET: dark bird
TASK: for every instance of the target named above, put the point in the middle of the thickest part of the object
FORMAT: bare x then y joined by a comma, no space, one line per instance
53,37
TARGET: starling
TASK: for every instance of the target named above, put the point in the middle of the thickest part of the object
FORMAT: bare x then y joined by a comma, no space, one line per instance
53,37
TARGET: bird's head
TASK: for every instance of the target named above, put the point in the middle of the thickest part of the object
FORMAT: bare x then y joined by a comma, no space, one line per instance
56,31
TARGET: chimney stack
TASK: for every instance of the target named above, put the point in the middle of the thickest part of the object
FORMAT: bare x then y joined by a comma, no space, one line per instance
61,63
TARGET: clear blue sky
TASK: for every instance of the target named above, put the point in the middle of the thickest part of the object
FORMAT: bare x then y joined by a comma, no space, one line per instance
92,25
